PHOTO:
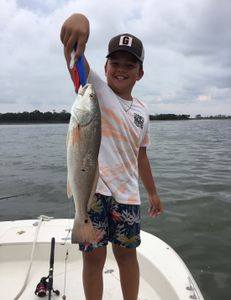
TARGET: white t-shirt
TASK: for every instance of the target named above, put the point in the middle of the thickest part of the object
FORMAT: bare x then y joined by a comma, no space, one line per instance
125,128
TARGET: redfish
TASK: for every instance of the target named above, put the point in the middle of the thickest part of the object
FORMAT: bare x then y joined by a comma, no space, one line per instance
83,143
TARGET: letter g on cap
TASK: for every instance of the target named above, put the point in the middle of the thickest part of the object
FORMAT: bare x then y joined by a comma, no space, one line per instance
125,40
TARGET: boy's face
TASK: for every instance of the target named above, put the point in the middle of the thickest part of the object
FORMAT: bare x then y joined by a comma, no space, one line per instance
122,70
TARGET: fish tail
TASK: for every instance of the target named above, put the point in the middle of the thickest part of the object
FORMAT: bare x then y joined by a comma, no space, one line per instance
83,232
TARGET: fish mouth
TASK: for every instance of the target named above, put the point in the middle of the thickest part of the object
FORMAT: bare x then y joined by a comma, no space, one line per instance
83,89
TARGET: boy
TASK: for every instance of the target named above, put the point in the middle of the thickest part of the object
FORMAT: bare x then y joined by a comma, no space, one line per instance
122,157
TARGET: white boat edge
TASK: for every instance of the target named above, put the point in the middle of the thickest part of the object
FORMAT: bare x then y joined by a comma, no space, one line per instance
164,275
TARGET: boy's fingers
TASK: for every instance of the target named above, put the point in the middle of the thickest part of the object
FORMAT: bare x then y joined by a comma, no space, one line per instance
65,36
70,43
62,34
153,212
66,39
81,44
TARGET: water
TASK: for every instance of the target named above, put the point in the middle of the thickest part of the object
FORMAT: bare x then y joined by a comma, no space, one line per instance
191,161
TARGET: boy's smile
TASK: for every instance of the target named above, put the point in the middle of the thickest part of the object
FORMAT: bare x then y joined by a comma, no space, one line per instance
119,77
122,70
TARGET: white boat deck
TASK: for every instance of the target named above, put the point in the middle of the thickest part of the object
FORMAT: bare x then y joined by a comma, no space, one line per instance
164,276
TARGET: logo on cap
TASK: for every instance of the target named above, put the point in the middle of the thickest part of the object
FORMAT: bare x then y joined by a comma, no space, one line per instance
125,40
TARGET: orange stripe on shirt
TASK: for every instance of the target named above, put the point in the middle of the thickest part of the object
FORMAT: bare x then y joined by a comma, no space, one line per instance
114,134
123,188
146,140
113,172
107,115
132,199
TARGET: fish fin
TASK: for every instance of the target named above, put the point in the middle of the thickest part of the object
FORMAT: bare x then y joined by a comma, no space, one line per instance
78,135
83,232
93,190
92,199
69,191
75,134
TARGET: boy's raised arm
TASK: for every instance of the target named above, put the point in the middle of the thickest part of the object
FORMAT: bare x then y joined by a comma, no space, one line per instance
75,31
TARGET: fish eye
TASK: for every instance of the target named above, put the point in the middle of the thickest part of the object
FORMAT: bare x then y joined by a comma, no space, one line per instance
92,96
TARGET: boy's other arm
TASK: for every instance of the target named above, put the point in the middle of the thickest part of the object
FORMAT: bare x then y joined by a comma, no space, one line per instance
75,32
155,206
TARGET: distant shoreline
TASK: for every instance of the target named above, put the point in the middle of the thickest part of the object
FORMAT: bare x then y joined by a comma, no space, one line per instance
31,123
63,117
59,122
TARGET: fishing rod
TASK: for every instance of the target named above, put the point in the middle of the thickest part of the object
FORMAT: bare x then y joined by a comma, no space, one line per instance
46,283
14,196
51,269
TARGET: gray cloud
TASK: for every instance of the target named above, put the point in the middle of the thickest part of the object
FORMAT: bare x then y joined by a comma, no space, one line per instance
187,47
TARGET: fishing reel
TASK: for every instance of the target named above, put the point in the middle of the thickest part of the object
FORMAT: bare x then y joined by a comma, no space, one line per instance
42,288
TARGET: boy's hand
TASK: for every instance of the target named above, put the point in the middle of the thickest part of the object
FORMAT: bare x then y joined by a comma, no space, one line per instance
75,31
155,206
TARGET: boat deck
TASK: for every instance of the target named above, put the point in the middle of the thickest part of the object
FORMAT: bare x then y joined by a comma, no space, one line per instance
13,273
159,279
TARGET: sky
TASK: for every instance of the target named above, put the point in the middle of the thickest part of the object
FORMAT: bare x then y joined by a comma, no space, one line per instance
187,67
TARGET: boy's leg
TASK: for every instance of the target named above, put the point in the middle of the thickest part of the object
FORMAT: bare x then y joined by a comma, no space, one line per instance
93,263
94,256
125,237
129,271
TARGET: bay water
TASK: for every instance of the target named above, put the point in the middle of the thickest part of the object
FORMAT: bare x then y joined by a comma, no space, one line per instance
191,163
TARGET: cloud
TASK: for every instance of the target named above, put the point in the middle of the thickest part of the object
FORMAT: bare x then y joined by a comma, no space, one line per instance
187,52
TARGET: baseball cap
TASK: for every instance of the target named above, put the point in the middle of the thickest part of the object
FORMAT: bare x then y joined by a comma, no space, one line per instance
126,42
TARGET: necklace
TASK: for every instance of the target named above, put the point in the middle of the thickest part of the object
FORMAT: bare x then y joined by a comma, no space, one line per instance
124,104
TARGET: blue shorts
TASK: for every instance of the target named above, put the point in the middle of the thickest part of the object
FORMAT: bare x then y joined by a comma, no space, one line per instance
117,223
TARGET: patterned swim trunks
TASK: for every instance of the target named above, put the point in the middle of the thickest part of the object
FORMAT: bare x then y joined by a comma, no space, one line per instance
118,223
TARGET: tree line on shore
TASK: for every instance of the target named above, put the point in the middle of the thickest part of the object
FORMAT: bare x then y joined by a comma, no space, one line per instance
63,117
35,117
168,117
